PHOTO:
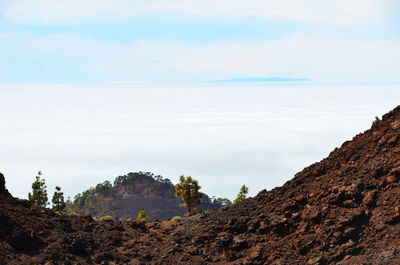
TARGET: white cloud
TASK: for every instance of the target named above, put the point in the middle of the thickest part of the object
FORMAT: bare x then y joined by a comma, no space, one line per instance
296,56
259,136
320,12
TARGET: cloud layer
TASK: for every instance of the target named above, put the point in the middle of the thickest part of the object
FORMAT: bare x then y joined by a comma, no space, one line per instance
334,13
254,135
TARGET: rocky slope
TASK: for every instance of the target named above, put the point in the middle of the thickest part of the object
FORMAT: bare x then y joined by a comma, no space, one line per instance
343,210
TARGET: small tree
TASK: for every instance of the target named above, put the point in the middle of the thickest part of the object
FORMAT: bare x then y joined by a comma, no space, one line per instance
188,190
39,192
58,200
142,217
376,120
242,194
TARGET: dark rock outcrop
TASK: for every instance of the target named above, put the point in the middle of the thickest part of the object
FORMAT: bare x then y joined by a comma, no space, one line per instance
3,189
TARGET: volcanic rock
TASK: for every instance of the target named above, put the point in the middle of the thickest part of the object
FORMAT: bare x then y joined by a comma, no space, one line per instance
3,185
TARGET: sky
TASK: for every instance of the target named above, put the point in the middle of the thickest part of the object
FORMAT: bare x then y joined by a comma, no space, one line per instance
93,89
92,41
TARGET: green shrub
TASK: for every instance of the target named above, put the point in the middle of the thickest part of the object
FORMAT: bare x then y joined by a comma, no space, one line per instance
376,120
142,217
75,214
176,218
107,218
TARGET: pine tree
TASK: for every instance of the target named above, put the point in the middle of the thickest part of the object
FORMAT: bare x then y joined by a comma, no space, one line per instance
142,217
39,192
242,194
188,190
58,200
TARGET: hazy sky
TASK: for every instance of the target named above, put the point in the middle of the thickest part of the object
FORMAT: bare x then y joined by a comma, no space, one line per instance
90,90
86,41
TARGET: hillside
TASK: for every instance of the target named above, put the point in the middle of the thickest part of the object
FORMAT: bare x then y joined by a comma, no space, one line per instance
344,209
129,193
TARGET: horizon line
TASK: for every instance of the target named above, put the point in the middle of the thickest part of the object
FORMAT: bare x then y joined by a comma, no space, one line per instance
265,79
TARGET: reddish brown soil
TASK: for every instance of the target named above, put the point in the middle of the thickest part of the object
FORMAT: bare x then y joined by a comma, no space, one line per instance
342,210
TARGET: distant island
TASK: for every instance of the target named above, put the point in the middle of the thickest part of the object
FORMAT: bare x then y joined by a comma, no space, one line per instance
265,79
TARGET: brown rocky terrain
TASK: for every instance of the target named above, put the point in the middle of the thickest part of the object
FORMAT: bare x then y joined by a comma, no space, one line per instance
344,209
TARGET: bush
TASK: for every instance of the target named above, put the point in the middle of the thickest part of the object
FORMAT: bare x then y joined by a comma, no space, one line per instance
74,214
376,121
176,218
107,218
142,217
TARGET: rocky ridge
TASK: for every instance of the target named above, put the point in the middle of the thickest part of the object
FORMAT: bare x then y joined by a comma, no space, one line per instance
344,209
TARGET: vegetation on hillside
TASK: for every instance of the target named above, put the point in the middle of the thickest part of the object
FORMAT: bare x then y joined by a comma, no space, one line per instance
144,183
127,194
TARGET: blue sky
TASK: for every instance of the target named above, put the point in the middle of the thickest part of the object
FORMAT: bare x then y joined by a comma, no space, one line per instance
191,31
103,41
